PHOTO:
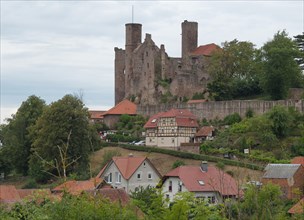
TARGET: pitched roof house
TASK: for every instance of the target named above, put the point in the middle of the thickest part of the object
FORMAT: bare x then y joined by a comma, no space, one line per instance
298,160
204,133
9,194
130,172
170,129
298,208
77,187
205,182
288,176
125,107
96,116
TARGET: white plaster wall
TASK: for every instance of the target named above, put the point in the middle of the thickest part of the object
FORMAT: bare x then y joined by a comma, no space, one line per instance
145,168
112,169
175,183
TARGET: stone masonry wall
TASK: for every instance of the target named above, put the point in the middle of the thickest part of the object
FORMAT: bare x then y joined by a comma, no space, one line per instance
220,109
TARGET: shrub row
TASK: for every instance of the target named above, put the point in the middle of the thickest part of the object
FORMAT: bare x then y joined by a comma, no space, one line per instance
186,155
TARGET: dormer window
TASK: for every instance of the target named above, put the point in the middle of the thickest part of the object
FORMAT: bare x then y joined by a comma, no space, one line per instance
201,182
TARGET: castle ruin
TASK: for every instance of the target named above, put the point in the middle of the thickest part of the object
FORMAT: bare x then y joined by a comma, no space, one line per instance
145,74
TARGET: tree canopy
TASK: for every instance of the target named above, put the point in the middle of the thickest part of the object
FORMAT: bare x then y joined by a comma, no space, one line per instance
281,70
64,124
16,134
234,71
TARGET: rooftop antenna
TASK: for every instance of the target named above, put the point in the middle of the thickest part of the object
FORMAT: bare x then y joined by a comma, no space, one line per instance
132,14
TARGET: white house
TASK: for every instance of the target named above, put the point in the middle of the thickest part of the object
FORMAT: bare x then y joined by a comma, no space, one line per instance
130,172
170,129
205,182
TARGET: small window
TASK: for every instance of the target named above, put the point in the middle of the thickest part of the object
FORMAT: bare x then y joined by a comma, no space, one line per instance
150,176
170,186
144,164
118,177
180,185
109,178
139,175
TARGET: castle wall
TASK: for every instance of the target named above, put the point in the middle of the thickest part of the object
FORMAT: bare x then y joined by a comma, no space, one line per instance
220,109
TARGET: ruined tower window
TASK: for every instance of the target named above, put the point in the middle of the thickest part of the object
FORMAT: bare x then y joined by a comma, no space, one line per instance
148,65
147,53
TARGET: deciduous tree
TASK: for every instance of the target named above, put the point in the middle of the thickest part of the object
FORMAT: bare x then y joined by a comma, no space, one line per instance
281,70
65,116
15,135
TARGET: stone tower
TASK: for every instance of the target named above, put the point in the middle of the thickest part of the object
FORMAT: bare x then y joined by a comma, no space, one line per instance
119,74
133,39
189,37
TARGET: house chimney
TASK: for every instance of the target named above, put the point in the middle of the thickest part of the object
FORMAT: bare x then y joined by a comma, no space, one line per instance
130,155
204,166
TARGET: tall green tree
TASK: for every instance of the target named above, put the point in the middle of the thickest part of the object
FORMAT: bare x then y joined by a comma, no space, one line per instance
281,70
234,71
15,135
64,123
299,39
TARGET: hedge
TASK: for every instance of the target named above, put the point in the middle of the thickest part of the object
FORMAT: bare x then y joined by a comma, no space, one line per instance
185,155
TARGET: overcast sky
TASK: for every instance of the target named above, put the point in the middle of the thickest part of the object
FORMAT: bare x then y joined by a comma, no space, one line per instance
53,48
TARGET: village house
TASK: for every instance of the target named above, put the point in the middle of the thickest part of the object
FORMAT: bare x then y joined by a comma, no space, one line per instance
111,117
298,208
170,129
206,182
290,178
9,194
129,173
205,133
77,187
96,116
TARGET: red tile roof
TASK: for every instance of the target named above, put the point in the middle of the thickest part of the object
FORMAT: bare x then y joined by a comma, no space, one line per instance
184,118
153,120
76,187
298,160
96,114
205,131
205,50
9,194
212,179
195,101
114,195
127,165
298,208
124,107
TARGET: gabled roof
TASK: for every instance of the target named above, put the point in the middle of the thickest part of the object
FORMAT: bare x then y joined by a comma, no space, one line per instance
184,118
114,195
196,180
127,165
205,131
124,107
195,101
96,114
9,194
298,208
76,187
298,160
280,171
205,50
